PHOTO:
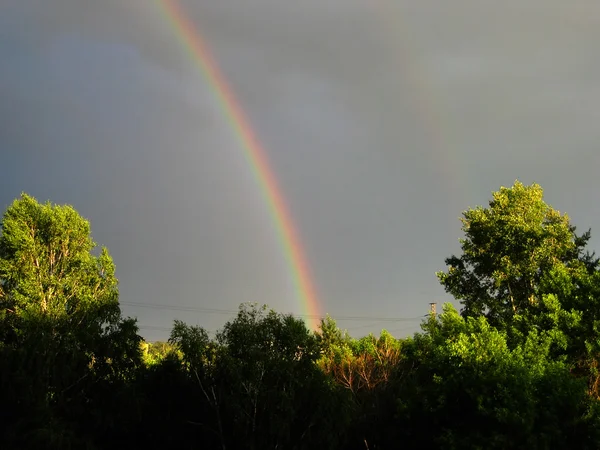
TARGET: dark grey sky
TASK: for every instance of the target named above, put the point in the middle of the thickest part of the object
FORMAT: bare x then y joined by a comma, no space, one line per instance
383,120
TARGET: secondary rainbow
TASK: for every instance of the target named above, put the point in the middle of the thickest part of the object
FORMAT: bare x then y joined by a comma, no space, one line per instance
257,159
437,122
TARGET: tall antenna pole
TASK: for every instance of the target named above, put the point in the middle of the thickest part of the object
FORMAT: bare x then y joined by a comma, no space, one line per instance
432,309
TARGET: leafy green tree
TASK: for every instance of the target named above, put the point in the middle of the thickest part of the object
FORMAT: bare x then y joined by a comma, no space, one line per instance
46,265
524,268
61,329
509,249
470,390
368,369
329,335
260,382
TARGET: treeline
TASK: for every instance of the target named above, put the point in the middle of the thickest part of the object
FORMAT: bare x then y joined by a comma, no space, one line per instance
517,368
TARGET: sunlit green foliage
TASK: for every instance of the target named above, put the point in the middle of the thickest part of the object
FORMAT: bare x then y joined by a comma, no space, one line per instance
517,368
509,251
524,268
61,329
155,352
478,393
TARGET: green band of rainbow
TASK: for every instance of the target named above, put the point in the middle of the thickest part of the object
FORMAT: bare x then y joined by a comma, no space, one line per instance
255,155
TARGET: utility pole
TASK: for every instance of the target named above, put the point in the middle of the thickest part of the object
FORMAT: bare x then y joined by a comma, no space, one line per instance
432,308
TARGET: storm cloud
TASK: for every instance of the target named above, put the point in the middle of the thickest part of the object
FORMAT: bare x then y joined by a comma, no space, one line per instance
383,120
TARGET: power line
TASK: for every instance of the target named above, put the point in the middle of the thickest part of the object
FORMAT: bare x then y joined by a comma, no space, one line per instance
397,330
356,327
179,308
153,327
230,311
373,324
169,329
377,319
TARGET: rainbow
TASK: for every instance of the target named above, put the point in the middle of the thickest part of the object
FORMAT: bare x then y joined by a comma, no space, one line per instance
255,155
445,153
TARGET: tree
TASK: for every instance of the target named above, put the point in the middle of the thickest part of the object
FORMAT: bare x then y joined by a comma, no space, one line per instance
47,268
472,391
508,250
61,329
368,369
260,382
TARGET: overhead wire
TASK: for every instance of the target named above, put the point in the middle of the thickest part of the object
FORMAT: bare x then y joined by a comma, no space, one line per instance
230,311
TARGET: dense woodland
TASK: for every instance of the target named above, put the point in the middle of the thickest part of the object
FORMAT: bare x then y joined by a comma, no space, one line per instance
516,368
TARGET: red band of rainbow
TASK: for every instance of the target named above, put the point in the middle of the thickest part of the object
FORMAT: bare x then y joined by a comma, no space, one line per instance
255,155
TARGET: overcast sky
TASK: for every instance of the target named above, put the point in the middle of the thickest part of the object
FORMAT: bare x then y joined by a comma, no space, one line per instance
382,119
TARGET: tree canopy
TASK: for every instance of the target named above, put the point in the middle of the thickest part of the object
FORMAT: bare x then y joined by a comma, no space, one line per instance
60,321
510,253
517,368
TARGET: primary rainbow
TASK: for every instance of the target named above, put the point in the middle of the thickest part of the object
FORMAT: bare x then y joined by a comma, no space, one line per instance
255,155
